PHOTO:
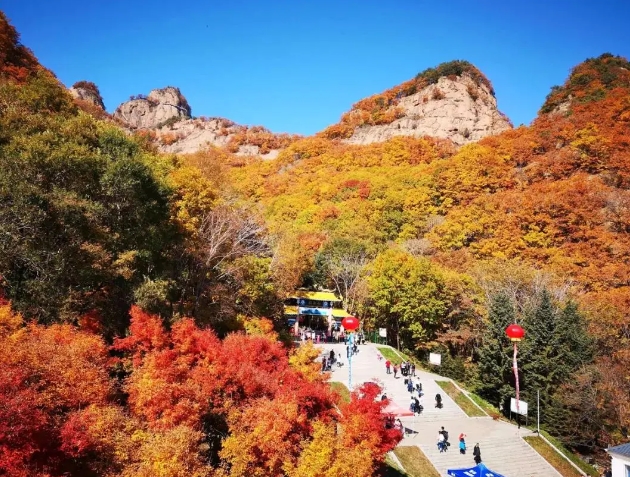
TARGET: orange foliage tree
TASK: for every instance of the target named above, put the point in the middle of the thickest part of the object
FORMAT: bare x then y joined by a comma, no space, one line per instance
47,374
257,412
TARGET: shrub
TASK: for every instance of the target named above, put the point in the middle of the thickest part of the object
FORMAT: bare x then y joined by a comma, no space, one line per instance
472,92
437,94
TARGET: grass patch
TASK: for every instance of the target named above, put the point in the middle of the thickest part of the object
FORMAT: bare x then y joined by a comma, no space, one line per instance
460,399
342,389
390,469
588,469
415,462
550,455
391,354
486,406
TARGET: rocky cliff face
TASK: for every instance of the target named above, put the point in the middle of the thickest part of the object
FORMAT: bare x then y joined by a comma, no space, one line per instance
165,116
88,92
453,101
155,110
457,109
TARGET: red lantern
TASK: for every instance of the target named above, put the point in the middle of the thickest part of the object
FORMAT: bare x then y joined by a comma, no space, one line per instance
350,323
515,332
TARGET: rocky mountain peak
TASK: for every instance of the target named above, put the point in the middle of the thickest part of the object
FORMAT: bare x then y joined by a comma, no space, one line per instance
161,106
452,101
591,80
87,91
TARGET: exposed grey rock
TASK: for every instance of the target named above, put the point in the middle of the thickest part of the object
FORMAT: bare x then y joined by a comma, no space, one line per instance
91,95
191,135
156,109
459,110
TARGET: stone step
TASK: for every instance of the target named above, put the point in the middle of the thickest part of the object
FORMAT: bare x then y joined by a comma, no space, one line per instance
502,447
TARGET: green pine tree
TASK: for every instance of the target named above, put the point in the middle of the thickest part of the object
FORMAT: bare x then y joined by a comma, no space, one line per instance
495,354
539,356
556,348
573,412
573,344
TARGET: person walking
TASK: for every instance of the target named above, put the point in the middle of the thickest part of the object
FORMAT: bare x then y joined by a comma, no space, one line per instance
395,370
413,370
462,444
477,454
440,442
445,434
438,401
388,366
418,406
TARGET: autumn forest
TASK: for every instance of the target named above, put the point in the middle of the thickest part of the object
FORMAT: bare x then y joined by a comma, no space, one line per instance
141,293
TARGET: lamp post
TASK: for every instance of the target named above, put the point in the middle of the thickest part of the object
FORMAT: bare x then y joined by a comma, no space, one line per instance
350,323
515,333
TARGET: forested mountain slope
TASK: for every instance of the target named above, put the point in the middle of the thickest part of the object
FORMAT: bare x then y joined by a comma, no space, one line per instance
111,249
132,291
546,205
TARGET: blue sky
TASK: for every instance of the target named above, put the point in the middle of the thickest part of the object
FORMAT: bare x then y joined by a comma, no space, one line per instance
297,65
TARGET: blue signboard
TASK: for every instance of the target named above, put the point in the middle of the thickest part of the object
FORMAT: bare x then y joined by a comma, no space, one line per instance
313,311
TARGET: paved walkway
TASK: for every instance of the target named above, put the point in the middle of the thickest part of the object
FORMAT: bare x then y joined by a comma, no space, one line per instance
502,447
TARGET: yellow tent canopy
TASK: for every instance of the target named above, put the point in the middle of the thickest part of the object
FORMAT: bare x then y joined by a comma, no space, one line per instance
316,295
339,313
336,312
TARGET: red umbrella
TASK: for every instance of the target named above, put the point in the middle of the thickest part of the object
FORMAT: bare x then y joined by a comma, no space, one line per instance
395,409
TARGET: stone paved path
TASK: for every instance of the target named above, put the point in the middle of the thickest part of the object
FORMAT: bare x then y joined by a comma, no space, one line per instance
502,447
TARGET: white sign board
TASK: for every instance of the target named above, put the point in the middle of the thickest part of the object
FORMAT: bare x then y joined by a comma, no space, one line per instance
382,332
522,407
435,358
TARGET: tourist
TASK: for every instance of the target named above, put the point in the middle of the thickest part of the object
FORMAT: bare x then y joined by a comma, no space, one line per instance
418,406
462,444
413,369
477,454
388,365
445,434
440,442
395,371
438,401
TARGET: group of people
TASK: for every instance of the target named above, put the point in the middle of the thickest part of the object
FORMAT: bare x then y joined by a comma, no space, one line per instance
406,368
329,361
443,444
414,387
351,350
